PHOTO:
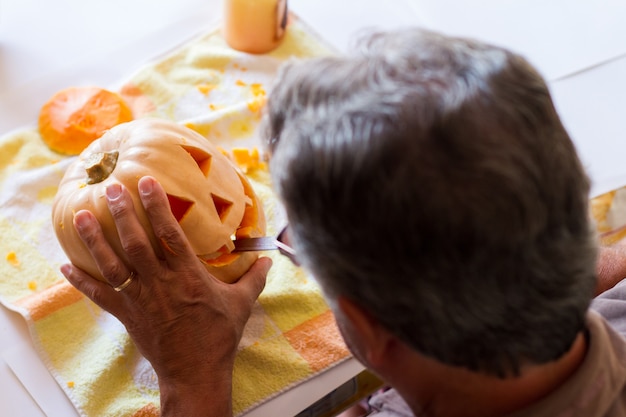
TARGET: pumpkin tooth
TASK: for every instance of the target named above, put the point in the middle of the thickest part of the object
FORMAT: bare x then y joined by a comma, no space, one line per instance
222,257
229,246
244,232
210,256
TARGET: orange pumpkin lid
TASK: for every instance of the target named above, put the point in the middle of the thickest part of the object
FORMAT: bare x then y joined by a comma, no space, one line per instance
76,116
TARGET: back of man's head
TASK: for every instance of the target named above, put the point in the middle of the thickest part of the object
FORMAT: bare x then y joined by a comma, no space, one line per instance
430,181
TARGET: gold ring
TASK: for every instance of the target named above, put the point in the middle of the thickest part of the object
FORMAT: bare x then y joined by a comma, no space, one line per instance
125,283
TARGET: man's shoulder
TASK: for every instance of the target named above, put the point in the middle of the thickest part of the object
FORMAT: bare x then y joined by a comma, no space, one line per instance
611,305
598,388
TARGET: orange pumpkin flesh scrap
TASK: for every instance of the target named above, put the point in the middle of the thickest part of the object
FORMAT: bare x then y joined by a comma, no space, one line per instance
211,199
247,159
76,116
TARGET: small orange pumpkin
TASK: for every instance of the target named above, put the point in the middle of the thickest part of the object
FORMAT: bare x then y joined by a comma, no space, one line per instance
209,196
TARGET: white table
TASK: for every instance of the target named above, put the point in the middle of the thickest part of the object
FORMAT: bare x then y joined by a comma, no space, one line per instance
48,45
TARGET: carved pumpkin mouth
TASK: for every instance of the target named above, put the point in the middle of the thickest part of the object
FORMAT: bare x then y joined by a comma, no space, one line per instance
247,228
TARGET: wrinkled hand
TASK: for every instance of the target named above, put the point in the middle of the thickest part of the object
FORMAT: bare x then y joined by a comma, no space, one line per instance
182,319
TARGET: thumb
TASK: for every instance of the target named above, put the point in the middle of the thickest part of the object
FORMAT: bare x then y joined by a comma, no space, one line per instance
253,281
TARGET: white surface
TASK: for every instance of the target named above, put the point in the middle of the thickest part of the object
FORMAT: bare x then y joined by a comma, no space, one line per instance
15,400
72,42
592,105
560,37
49,45
42,387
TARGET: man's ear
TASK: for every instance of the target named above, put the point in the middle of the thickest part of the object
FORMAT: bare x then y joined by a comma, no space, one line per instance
375,339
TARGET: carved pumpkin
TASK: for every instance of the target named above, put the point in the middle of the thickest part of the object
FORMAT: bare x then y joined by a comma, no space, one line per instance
211,199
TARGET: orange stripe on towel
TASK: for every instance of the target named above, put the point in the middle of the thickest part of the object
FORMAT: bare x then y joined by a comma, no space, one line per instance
54,298
318,341
150,410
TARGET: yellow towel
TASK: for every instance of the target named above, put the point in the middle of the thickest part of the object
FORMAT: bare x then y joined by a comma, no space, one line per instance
291,335
609,212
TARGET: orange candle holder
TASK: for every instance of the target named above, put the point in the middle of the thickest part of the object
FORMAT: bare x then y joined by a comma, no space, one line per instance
254,26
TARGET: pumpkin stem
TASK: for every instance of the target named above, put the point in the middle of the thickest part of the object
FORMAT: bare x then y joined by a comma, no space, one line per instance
100,165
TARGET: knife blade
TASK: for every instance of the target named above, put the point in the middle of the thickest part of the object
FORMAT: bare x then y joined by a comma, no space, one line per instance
256,244
265,243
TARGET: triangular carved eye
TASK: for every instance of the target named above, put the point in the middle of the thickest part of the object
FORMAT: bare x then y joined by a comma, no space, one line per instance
222,206
202,158
179,207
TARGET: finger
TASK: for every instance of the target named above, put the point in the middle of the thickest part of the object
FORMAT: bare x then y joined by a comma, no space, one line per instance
107,261
164,225
97,291
132,235
251,284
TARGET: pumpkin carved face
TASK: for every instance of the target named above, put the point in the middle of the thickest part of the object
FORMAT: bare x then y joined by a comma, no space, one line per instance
211,199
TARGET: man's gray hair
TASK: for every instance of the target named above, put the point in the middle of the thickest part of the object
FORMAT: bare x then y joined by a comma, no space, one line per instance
429,180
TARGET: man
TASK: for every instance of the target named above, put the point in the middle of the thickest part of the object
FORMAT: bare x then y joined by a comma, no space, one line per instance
435,195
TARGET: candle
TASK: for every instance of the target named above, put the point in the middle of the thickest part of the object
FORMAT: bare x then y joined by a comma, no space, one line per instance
254,26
